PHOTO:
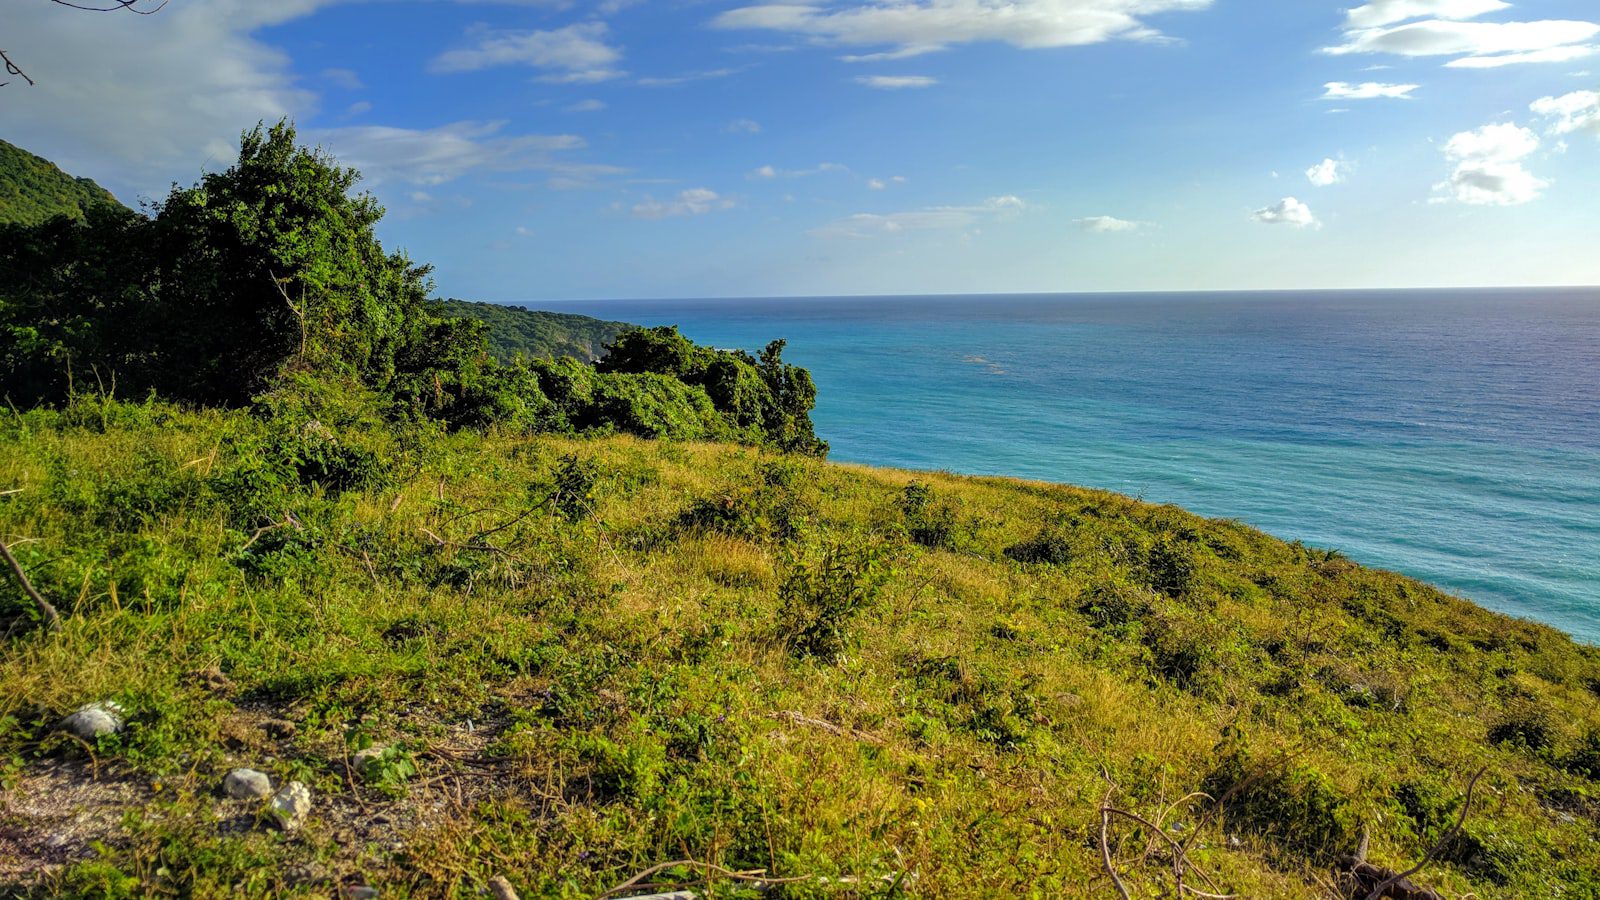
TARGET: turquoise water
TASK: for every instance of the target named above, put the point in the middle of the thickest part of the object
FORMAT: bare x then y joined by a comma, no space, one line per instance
1453,436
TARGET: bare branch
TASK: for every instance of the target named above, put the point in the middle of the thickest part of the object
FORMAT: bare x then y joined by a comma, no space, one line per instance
52,619
11,69
116,6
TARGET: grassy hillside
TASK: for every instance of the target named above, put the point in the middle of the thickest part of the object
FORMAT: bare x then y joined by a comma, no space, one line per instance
583,658
536,334
33,189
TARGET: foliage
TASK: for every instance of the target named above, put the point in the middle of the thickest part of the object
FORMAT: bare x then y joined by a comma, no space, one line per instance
268,278
516,331
33,190
821,597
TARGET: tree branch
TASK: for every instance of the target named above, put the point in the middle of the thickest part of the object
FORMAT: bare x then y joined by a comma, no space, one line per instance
52,619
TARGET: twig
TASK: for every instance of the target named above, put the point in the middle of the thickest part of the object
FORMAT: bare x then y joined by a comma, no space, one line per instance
1105,845
129,5
1466,806
52,619
12,69
287,520
747,875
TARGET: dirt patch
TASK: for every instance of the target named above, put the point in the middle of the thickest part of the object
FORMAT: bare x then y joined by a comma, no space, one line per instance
55,812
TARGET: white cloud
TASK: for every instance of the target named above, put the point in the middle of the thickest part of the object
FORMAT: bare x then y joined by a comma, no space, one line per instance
1287,211
1107,224
897,82
358,108
692,202
438,155
1478,44
1577,111
675,80
766,173
932,218
120,98
919,24
1328,172
1378,13
879,184
1489,166
1369,90
590,105
1550,54
743,126
576,54
907,52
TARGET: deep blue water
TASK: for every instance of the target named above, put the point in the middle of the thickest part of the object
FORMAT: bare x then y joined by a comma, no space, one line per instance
1450,435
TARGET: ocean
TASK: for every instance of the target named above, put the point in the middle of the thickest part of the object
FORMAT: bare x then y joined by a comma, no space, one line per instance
1450,435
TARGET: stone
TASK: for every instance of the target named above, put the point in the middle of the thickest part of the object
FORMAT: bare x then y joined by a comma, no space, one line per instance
368,763
291,805
91,721
501,889
247,784
360,892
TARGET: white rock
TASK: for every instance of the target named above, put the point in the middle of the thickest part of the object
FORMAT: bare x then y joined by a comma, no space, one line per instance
368,763
89,722
247,784
291,805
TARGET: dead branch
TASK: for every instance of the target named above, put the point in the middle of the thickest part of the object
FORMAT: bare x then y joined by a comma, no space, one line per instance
299,312
1105,845
829,727
52,619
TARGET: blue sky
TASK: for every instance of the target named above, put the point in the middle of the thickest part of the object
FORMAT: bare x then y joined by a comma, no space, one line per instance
650,148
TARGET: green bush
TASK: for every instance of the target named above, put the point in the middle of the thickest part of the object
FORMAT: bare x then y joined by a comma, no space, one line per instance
821,597
1048,547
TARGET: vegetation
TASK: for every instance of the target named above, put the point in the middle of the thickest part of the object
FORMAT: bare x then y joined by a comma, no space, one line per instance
516,331
584,656
266,285
498,635
33,190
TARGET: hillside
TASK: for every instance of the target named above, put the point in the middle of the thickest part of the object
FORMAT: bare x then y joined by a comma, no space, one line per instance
570,660
536,334
33,189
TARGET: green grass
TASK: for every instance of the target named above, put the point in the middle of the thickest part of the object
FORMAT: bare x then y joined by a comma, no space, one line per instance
710,652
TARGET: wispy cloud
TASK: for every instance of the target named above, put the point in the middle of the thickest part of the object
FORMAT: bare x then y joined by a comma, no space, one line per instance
687,77
576,54
743,126
1577,111
437,155
916,26
897,82
1368,90
765,173
692,202
1476,45
932,218
1108,224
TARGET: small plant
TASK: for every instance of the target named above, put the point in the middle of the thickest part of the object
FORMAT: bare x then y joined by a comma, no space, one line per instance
821,599
1526,724
575,481
930,521
387,769
1170,567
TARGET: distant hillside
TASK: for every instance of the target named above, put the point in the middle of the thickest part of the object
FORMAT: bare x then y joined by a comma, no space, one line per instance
535,334
33,189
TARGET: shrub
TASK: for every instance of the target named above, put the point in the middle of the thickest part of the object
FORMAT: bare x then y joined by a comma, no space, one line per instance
1525,723
1048,547
821,598
1295,807
573,485
1113,604
1170,566
931,521
1585,758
